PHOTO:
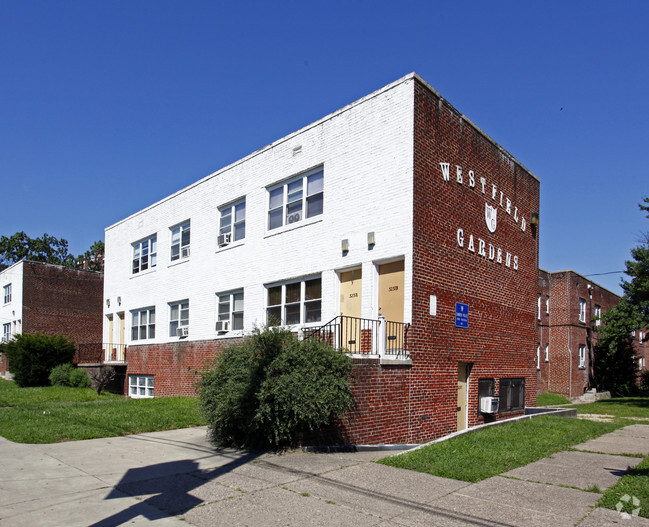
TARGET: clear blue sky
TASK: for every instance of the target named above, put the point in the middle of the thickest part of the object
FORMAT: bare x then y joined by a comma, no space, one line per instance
106,107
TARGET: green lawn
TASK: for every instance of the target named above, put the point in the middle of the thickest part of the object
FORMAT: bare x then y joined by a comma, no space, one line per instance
547,399
491,451
54,414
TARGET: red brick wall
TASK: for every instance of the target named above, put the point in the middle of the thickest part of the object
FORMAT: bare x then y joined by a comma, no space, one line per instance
564,332
62,301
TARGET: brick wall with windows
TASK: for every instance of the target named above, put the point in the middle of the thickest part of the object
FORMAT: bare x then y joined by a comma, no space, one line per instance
363,192
569,331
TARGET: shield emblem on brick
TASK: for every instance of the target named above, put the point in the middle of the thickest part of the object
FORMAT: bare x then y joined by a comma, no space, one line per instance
491,217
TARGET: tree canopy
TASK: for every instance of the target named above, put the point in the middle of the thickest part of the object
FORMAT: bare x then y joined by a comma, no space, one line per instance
47,249
615,368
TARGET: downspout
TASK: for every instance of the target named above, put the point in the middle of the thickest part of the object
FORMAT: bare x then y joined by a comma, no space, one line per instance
570,371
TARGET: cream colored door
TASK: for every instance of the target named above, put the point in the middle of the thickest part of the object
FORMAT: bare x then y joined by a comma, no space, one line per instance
120,345
391,291
351,294
109,349
462,382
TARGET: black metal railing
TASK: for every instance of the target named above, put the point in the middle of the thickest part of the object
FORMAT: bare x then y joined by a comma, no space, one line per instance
363,336
100,352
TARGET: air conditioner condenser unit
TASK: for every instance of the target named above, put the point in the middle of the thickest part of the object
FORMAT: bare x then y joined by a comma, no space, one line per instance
489,405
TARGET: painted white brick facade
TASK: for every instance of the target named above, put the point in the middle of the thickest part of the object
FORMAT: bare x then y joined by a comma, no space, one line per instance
12,312
366,151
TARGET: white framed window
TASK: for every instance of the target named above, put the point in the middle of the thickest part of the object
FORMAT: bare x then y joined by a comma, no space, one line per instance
547,305
178,317
538,357
7,293
232,226
641,337
538,308
145,254
143,324
300,198
230,312
547,353
180,235
582,355
582,310
598,315
294,303
6,332
140,386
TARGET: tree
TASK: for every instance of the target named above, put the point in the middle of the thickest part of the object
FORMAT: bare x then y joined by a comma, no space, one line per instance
615,368
271,389
33,356
46,249
93,258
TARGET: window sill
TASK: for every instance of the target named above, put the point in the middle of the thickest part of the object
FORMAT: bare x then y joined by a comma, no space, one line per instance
229,246
142,273
178,262
230,334
292,227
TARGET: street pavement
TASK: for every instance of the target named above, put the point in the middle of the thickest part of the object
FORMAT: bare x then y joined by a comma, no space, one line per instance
177,478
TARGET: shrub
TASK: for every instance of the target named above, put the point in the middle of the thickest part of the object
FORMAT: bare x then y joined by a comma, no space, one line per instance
644,379
271,388
79,378
100,377
33,356
60,375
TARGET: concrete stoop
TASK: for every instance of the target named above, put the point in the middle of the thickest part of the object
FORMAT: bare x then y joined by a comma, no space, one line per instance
591,396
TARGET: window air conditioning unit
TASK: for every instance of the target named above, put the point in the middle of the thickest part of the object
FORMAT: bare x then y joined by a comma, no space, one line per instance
292,218
224,239
489,405
185,252
4,339
222,325
183,331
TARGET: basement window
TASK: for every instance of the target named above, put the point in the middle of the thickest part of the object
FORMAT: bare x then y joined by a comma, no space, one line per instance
512,394
140,386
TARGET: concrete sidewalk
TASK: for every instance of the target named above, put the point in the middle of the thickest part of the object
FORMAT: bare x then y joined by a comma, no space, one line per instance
178,478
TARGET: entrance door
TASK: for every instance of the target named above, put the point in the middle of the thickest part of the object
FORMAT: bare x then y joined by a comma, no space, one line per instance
109,349
391,305
350,306
120,345
462,392
391,291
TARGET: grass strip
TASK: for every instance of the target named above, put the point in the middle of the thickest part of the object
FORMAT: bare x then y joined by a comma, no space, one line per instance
547,399
619,407
54,414
631,491
491,451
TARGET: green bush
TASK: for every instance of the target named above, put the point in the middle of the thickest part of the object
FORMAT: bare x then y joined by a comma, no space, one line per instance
79,378
270,389
60,375
644,379
33,356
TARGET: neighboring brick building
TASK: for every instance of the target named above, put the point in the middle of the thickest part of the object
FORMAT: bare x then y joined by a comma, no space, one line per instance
394,227
50,299
569,308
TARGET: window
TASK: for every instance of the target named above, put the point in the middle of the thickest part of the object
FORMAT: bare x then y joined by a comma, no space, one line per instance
538,357
294,303
296,200
6,332
145,254
582,356
140,386
547,305
547,353
178,317
582,310
598,315
233,223
143,324
180,241
512,394
230,312
7,291
538,308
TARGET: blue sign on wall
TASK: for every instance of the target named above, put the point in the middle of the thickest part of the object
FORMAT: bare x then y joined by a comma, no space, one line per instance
461,315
